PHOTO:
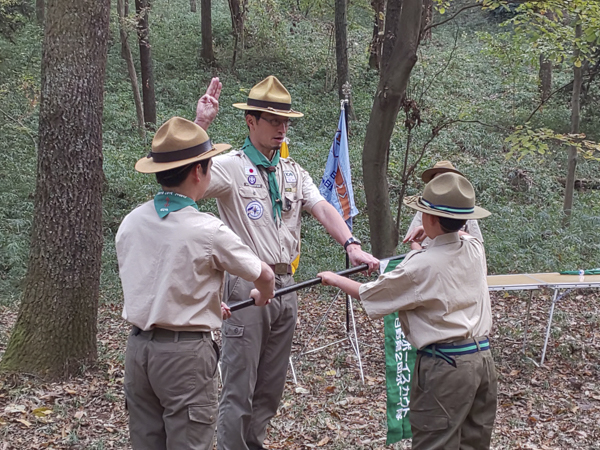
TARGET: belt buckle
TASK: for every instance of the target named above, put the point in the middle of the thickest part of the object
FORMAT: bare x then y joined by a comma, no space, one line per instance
281,269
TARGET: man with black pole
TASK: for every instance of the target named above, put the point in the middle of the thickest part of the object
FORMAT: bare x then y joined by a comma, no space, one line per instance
172,260
261,197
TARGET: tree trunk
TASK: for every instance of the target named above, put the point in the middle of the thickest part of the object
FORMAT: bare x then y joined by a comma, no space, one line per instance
55,331
341,48
142,8
193,6
426,19
377,39
39,11
545,75
207,52
400,56
238,14
126,55
575,110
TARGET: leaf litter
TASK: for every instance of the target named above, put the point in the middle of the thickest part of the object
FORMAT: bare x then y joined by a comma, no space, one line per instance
556,406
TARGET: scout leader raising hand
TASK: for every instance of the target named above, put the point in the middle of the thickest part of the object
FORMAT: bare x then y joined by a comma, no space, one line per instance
172,259
261,196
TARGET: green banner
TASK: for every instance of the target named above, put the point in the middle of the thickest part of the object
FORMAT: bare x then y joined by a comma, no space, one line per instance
400,359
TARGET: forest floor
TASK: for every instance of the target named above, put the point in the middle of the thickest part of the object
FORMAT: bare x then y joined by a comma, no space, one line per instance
556,406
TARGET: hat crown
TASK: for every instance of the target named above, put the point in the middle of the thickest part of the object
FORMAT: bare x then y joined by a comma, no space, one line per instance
439,167
450,190
176,134
270,90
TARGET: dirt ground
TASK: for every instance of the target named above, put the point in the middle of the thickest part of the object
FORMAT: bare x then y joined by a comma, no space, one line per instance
556,406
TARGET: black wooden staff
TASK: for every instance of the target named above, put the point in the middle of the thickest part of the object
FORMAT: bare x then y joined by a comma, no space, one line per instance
308,283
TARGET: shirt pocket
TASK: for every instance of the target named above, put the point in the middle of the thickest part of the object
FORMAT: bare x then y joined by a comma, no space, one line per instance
256,204
291,209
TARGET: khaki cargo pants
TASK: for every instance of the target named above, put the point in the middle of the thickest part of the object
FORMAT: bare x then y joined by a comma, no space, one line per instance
453,407
171,390
257,342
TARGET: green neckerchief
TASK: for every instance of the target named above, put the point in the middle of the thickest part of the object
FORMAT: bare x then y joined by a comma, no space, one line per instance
168,202
260,160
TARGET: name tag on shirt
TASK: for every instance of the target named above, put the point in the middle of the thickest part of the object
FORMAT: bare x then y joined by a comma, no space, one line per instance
290,177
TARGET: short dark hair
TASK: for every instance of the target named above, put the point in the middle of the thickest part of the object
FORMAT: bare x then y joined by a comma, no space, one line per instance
451,225
250,112
174,177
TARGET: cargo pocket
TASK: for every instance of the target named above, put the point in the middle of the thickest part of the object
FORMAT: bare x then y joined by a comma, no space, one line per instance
256,201
203,421
428,420
231,330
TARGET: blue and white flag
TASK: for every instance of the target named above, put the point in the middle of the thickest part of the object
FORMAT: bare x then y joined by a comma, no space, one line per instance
336,185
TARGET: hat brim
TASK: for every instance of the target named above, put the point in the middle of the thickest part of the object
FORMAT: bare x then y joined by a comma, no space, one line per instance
277,112
414,202
147,165
428,175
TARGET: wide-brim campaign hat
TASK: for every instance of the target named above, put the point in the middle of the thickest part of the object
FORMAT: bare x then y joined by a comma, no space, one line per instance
448,195
439,167
270,96
178,142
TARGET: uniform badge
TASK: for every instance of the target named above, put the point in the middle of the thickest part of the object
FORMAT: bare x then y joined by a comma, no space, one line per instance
252,179
290,177
254,210
249,170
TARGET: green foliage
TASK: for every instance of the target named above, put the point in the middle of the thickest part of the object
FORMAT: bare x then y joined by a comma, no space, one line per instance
13,15
461,76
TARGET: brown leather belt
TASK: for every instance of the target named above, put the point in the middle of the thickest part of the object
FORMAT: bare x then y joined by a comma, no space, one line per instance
281,269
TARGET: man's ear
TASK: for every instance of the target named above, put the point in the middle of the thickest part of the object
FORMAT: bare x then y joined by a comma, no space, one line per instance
250,121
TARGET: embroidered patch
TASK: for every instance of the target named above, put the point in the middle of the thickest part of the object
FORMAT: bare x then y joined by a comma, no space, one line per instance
249,170
252,179
254,210
290,177
290,189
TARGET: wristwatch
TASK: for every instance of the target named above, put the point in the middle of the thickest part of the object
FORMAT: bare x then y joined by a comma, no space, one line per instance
350,241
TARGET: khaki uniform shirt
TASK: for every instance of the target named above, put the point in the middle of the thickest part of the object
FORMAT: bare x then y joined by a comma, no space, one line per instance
242,193
441,293
172,269
471,227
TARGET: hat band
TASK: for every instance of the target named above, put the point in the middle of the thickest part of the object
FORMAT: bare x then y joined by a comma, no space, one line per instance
180,155
265,104
448,209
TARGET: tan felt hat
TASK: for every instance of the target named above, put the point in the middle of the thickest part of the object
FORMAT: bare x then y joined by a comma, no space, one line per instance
178,142
270,96
448,195
439,167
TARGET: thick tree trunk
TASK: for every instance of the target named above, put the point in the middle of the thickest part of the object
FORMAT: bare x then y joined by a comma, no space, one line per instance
400,56
341,47
193,6
545,75
39,11
575,110
142,8
207,52
126,55
55,332
377,39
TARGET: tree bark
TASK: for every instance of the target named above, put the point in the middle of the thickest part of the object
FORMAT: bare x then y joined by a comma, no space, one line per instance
545,75
39,11
575,119
207,52
238,14
400,56
142,8
193,6
377,39
341,47
126,55
55,331
426,19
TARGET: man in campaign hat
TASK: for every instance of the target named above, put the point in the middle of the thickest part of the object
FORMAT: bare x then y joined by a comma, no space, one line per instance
261,197
442,300
172,260
416,233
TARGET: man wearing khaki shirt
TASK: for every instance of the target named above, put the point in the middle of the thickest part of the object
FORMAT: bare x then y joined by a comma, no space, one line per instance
443,304
172,260
261,197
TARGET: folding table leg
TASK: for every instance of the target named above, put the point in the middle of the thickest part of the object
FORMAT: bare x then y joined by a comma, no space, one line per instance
555,300
527,321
